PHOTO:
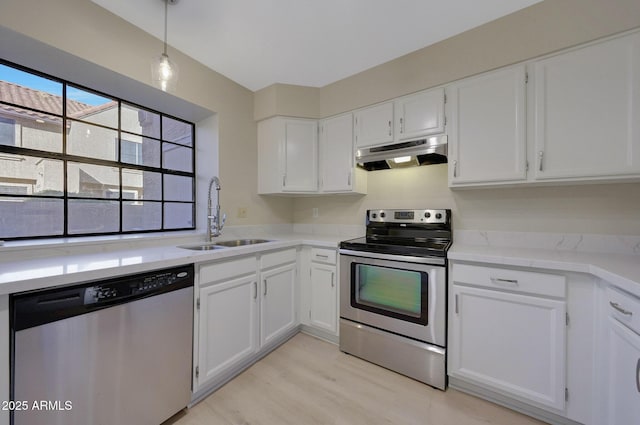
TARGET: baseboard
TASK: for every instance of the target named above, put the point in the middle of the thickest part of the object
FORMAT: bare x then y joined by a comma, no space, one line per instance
509,403
320,334
241,367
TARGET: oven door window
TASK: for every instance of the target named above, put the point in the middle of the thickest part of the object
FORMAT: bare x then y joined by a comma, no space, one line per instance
392,292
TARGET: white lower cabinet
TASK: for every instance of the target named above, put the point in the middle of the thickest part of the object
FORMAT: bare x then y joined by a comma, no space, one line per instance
323,314
621,388
277,309
319,292
507,333
227,313
244,307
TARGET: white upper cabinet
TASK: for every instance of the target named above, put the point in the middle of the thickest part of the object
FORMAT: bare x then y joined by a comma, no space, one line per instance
374,125
405,118
487,132
419,114
287,155
587,112
338,171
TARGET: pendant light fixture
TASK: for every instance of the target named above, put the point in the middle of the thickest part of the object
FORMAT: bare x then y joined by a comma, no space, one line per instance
164,72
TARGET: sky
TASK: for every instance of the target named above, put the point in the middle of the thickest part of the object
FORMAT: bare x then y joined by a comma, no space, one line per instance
35,82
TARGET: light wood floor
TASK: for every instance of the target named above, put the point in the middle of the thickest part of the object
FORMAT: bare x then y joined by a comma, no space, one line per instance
309,381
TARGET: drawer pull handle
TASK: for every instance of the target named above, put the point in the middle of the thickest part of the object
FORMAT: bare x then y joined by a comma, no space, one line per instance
638,375
505,281
255,287
620,308
265,288
322,256
333,282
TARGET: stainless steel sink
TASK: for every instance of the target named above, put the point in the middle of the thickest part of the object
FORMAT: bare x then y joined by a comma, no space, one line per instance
202,247
223,244
241,242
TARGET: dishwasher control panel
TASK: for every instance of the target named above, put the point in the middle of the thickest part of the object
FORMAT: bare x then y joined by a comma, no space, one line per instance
142,285
34,308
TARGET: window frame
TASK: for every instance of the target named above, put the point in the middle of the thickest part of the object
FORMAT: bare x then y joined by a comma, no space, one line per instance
67,158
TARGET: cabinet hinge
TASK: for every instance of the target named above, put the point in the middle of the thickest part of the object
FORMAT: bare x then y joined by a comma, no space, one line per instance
445,98
566,318
566,394
526,77
445,120
526,166
198,304
197,371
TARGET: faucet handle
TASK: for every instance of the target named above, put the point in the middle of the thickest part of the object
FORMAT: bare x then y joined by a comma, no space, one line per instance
224,219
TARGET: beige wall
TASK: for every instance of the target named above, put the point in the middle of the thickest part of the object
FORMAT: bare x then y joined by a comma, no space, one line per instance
84,29
543,28
602,208
287,100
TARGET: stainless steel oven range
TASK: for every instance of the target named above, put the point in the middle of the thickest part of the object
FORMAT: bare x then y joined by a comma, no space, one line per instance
393,293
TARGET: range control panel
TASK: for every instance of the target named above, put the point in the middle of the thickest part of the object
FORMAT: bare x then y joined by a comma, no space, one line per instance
409,216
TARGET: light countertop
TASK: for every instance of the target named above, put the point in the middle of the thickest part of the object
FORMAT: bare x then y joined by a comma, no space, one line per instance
622,270
62,265
68,263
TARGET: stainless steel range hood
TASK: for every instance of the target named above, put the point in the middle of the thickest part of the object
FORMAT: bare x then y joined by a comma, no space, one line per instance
430,150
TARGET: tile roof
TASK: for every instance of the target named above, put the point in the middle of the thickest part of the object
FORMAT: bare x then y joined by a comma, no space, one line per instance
42,101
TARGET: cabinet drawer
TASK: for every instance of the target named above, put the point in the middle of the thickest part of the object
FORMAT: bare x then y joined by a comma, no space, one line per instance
624,307
215,272
321,255
511,280
277,258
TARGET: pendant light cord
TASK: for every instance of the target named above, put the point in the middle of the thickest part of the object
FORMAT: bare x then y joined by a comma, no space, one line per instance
166,6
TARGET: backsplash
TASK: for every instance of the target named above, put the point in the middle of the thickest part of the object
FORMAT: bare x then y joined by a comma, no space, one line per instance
611,244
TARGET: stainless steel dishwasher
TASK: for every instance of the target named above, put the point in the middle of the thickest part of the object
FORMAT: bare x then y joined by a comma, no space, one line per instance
115,351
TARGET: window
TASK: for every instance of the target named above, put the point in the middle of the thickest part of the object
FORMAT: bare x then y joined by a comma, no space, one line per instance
77,162
7,131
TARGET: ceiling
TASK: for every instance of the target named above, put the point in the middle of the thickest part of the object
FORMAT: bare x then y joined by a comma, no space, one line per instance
257,43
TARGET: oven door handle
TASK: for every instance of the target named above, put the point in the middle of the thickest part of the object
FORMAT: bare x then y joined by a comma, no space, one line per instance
392,257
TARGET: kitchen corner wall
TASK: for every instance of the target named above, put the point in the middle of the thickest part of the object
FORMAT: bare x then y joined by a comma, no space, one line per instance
540,29
87,31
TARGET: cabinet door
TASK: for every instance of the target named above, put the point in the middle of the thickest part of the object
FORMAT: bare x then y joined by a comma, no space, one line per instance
623,386
587,104
337,156
271,166
374,125
277,308
228,326
487,135
323,297
301,156
420,114
510,343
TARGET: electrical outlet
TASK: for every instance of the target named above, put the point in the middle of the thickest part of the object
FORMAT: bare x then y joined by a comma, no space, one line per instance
315,213
242,212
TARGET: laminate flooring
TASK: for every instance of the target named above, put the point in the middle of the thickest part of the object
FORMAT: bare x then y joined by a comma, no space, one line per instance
308,381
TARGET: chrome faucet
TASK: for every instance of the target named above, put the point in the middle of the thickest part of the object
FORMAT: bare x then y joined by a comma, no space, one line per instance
214,225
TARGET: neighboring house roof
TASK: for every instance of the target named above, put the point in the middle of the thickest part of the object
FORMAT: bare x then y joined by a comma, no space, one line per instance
45,102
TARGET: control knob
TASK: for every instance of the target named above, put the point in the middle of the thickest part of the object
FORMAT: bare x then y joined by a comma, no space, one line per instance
427,214
382,215
438,216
